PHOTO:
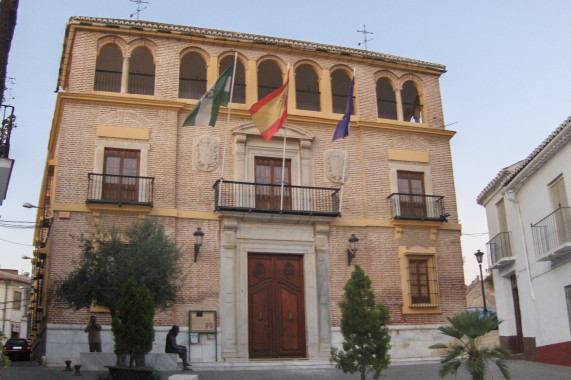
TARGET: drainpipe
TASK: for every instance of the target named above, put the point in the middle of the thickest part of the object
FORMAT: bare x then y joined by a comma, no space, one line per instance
510,196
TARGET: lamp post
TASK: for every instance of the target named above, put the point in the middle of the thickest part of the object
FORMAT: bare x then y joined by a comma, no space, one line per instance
353,247
479,256
198,236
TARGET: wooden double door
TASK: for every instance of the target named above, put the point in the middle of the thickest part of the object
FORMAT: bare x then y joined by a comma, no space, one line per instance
276,313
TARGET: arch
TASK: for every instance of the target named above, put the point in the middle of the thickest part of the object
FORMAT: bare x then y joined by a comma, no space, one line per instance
124,118
192,75
411,102
142,43
239,93
386,99
340,85
391,77
108,68
141,71
410,77
307,93
121,43
270,77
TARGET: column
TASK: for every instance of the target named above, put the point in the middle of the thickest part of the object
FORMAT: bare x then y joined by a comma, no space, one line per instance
125,76
323,290
398,98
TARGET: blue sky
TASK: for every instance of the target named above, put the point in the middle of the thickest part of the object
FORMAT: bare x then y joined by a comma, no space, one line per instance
508,84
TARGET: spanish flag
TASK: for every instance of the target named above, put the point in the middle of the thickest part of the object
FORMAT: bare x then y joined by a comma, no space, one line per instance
270,113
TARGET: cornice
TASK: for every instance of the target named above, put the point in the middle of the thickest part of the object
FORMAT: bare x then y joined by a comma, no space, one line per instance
138,26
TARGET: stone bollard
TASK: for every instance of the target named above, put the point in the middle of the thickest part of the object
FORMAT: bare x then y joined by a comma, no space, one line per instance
67,365
77,372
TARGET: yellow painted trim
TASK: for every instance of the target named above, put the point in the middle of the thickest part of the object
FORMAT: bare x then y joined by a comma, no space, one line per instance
52,162
410,156
342,222
123,132
168,212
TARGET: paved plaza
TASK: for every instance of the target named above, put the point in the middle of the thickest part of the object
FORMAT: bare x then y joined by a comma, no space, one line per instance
520,370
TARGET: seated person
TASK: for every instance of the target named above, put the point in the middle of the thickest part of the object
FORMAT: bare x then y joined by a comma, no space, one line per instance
172,347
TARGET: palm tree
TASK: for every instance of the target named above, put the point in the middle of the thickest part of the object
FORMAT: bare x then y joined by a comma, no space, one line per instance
466,350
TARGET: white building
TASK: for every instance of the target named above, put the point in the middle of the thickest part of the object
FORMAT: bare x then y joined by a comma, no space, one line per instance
529,221
14,295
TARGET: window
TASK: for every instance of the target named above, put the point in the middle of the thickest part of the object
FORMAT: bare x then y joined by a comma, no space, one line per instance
121,168
141,72
340,84
307,88
192,76
17,300
411,194
269,78
412,109
419,280
239,93
558,193
269,171
108,69
386,101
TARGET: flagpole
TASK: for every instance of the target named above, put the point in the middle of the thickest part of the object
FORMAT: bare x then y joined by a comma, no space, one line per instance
284,149
346,153
227,130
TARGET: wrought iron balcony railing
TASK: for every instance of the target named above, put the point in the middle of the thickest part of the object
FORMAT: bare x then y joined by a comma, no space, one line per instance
552,234
120,189
500,247
417,207
266,198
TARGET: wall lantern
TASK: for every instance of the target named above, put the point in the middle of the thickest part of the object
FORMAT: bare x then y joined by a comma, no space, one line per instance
479,256
353,247
198,236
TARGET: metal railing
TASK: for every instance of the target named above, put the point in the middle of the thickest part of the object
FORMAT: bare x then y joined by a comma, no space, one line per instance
191,88
106,80
500,247
307,100
340,103
8,123
266,198
552,231
120,189
417,207
142,84
412,112
387,109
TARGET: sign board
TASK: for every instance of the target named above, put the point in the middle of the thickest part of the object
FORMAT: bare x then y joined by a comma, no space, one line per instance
203,322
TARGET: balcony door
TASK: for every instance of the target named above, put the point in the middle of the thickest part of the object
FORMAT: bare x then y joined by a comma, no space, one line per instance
411,194
269,172
276,313
120,182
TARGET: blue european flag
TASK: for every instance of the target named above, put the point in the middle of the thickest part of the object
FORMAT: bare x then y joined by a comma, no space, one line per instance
342,129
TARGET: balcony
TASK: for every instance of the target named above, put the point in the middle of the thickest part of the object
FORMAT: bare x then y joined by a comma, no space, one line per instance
501,250
417,207
120,189
266,198
552,235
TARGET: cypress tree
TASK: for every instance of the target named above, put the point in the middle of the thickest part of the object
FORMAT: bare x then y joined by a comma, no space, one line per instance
133,326
363,325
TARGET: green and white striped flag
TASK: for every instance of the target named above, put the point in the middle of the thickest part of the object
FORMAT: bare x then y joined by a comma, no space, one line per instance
205,112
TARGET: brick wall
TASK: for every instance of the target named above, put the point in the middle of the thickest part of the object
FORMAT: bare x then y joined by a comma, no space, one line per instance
179,185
